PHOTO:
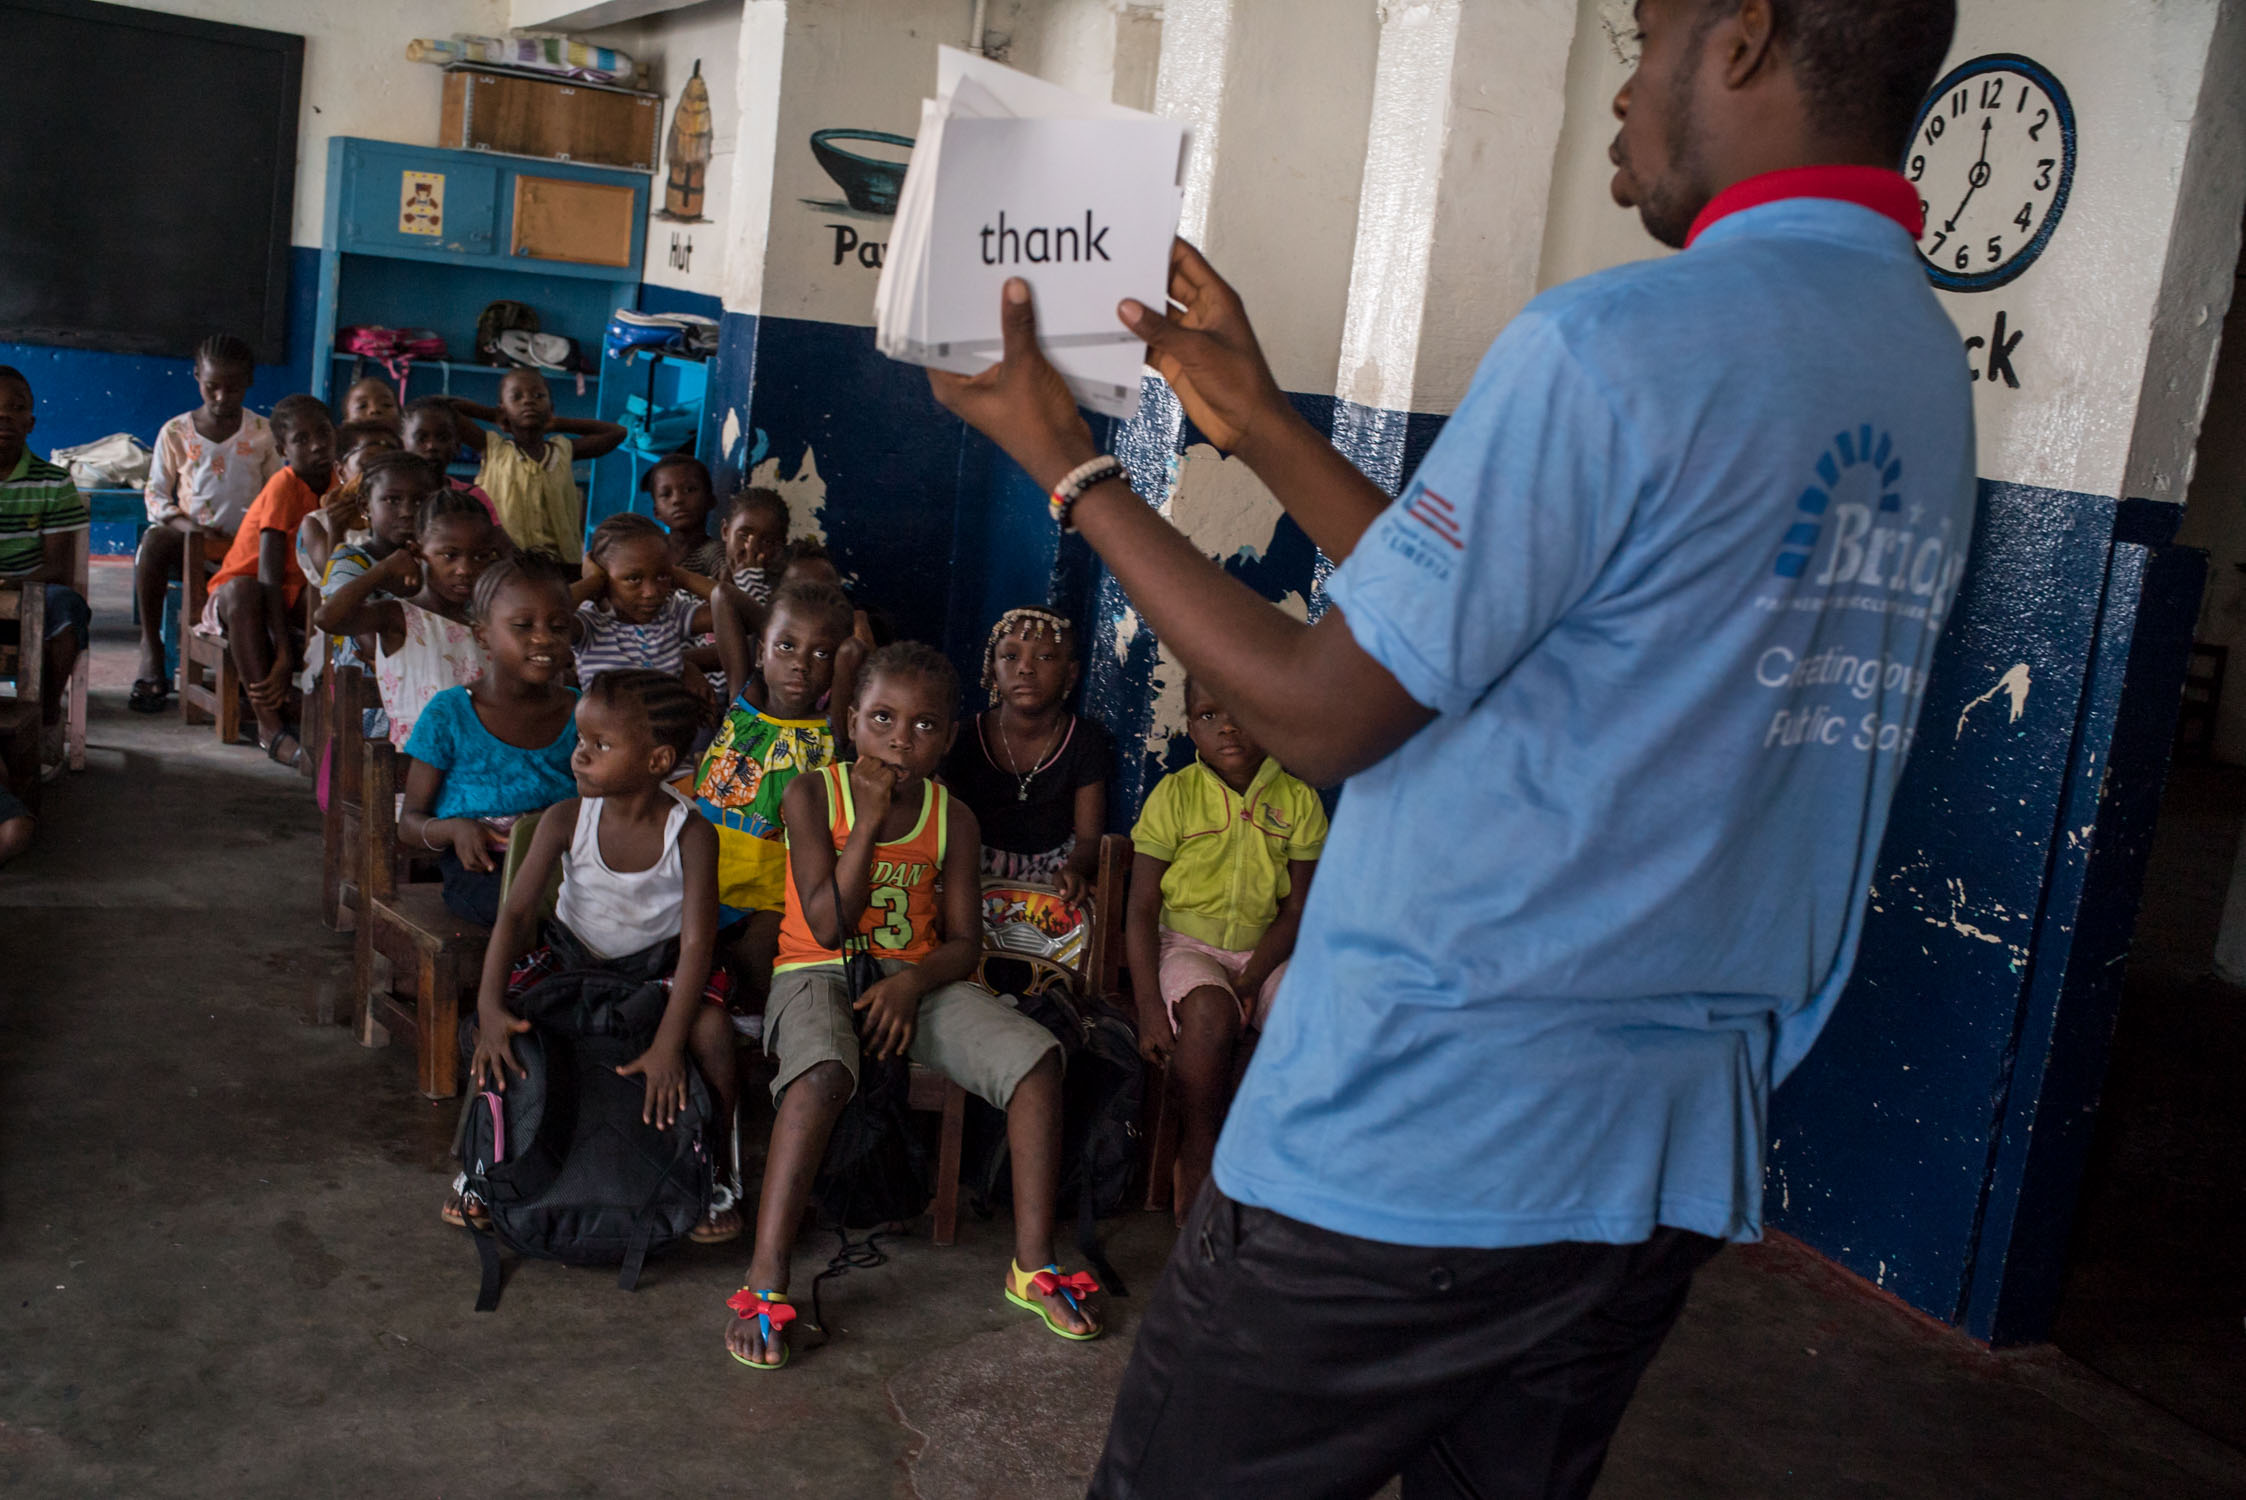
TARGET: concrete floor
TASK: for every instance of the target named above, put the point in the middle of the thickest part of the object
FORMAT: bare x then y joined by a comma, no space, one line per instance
222,1273
2156,1289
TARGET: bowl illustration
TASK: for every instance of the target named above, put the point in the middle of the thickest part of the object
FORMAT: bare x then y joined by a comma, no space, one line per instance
869,183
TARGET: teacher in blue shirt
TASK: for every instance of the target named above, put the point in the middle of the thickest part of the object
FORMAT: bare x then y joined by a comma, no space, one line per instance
1621,686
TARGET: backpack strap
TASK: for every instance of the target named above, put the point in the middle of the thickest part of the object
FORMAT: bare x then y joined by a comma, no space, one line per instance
487,1251
635,1259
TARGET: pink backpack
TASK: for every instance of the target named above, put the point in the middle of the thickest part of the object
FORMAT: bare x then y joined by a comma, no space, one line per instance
395,349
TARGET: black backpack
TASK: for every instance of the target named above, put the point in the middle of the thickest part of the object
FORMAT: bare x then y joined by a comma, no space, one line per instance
1103,1091
876,1169
562,1158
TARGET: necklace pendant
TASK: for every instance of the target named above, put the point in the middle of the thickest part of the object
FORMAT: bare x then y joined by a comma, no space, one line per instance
1021,792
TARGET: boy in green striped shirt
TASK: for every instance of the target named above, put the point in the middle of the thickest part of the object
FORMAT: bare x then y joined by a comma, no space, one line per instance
40,511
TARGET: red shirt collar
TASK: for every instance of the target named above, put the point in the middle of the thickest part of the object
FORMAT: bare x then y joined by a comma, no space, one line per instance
1876,188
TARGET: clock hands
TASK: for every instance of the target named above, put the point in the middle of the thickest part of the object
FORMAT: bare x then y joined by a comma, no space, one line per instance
1976,179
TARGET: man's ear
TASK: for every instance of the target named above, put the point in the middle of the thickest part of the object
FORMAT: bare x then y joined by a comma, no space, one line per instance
1746,38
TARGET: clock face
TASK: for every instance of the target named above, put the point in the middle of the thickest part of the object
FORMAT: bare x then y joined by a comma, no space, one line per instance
1992,158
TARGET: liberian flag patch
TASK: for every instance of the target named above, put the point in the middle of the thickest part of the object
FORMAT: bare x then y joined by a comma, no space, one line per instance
1437,515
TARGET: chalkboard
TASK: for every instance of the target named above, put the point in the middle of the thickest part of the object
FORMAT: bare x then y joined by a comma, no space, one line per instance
150,164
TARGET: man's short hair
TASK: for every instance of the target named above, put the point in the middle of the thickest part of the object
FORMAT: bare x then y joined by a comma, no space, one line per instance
1864,65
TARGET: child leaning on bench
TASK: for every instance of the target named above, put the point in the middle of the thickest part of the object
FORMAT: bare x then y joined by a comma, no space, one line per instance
868,843
638,878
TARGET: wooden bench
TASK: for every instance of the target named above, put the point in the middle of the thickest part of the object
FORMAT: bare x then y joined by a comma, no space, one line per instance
210,690
437,954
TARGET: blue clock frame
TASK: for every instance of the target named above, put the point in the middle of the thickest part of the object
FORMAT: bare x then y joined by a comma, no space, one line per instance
2045,79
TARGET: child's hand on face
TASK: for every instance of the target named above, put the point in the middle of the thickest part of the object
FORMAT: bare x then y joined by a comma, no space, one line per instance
345,509
872,784
891,1010
402,569
664,1068
495,1051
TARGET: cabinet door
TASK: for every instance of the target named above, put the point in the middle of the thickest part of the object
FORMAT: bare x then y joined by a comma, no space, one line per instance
585,223
420,202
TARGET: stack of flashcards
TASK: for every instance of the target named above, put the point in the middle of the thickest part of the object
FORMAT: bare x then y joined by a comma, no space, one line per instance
1013,176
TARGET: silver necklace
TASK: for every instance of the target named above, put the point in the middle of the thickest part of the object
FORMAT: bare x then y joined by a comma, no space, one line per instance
1022,779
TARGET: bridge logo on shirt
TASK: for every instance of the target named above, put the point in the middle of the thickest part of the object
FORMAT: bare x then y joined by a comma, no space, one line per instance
1856,530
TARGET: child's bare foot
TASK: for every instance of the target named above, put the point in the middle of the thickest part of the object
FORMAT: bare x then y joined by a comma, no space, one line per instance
757,1336
464,1208
722,1223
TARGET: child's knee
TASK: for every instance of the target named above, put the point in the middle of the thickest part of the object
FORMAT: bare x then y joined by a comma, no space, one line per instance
237,599
1209,1011
827,1082
711,1040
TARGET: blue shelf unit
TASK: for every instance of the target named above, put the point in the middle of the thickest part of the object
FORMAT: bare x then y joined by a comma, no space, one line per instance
671,388
374,271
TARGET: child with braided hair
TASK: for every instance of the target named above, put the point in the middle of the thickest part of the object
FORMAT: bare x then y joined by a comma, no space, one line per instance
636,608
411,602
1035,773
638,891
342,516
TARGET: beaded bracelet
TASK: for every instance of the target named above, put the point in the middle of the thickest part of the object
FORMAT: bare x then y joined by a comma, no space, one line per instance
1079,479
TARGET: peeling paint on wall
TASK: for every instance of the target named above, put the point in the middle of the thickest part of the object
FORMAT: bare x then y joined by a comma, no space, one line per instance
804,490
2015,683
1222,506
1166,687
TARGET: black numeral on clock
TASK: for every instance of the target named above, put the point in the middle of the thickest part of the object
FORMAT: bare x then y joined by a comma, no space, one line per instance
2026,217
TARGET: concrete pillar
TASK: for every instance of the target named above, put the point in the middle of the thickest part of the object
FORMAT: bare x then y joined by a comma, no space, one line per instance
1278,94
1457,183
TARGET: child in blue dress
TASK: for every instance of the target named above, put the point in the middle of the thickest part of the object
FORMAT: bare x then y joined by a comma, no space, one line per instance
485,754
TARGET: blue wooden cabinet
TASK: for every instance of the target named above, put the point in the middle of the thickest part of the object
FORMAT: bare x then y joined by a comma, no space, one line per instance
420,237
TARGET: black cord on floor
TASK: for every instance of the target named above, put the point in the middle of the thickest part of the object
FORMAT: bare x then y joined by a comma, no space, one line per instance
855,1255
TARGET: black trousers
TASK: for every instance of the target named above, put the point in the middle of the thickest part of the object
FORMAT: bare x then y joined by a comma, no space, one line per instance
1283,1360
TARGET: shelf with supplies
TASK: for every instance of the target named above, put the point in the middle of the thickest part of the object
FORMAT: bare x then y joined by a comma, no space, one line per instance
419,237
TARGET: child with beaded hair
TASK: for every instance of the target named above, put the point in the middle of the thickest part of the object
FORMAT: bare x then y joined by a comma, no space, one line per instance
1034,772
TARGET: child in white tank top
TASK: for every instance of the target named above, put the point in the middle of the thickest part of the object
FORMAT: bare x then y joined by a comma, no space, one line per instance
638,869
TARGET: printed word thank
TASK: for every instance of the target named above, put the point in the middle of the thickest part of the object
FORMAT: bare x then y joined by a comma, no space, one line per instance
1012,243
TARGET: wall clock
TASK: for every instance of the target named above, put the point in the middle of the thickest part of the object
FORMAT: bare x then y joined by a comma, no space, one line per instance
1992,158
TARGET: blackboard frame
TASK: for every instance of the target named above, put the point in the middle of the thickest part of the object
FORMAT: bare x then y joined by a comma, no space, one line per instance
270,339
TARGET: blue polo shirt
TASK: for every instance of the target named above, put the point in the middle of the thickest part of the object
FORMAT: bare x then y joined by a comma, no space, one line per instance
1671,578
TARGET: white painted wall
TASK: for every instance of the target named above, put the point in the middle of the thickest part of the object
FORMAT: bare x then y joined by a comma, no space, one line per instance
2098,409
1583,229
667,46
356,77
2086,311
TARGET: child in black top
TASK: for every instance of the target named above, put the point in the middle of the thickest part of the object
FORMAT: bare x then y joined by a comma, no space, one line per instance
1035,773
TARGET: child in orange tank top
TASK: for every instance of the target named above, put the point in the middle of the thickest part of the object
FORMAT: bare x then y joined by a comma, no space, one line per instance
868,846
